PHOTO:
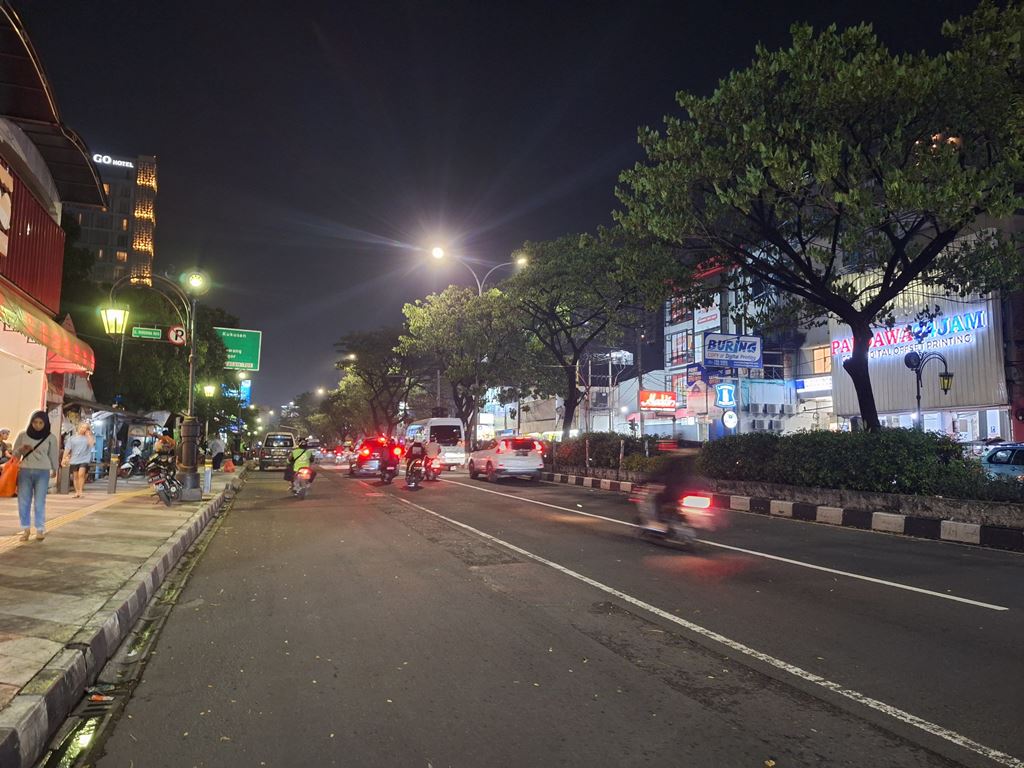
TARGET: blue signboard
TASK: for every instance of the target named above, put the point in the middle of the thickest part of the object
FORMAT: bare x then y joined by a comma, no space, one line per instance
730,350
725,395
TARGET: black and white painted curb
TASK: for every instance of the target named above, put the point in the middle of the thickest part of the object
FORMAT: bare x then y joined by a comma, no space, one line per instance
886,522
33,716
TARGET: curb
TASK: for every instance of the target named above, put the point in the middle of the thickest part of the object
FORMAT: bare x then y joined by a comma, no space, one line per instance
993,536
33,716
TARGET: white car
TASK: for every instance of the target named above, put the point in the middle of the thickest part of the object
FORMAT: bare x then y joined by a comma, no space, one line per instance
508,457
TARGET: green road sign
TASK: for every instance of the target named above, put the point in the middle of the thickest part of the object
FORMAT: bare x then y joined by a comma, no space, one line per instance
243,348
151,334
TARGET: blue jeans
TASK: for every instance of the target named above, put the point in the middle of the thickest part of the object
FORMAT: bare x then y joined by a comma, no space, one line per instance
32,483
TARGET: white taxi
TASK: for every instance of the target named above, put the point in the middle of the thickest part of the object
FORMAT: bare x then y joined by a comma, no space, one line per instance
508,457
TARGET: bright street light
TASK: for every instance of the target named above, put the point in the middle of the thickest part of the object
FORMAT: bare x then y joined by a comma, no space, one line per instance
320,390
242,375
115,320
209,390
437,252
522,261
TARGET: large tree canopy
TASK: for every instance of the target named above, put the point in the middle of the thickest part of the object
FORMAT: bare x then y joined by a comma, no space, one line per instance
842,174
573,294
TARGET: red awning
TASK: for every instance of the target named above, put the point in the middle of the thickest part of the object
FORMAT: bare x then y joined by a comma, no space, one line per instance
65,352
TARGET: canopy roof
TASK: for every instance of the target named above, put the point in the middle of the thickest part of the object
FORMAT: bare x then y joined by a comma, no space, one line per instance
26,99
65,352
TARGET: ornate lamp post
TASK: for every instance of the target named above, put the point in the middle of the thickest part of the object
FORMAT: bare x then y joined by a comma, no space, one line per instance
183,302
916,362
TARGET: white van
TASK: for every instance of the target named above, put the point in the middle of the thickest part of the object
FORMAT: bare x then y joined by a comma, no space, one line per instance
447,432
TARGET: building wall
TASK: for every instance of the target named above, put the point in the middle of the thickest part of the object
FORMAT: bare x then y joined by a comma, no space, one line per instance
123,235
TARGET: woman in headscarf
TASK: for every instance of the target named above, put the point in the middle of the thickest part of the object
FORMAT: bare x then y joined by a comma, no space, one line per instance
39,454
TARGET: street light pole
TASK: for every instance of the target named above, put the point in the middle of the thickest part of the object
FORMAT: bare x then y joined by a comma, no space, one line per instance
916,362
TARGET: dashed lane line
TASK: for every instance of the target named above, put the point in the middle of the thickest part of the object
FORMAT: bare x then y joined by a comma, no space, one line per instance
889,710
755,553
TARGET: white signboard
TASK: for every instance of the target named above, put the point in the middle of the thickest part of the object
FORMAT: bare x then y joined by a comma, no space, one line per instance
709,319
729,350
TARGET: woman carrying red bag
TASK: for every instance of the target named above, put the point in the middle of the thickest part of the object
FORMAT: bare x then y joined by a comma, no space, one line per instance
38,455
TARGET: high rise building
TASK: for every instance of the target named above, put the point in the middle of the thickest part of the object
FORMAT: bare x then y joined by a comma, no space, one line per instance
122,235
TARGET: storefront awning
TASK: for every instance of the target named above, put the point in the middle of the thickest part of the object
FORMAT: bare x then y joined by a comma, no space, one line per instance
65,352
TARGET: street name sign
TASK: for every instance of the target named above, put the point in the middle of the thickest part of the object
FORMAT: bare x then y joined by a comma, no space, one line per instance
243,348
149,334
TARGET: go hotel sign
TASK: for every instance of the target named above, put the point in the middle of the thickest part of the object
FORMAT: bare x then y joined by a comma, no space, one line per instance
969,337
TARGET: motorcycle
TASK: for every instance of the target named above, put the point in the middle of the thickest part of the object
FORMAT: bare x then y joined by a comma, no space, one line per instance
432,469
389,464
161,473
414,474
301,481
131,467
672,519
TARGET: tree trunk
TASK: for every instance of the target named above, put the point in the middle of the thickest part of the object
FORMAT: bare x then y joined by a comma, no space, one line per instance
571,400
857,367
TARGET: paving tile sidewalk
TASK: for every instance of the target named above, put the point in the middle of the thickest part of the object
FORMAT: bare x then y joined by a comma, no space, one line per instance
66,602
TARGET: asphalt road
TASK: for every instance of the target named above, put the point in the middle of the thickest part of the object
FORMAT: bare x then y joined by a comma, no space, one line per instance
359,628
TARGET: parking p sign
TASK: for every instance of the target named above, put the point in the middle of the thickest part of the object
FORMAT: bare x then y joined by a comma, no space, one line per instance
243,348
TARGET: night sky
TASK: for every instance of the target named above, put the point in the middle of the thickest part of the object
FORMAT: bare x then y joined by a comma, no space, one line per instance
310,153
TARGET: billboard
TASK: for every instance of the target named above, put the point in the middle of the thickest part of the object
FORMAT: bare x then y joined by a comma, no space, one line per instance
655,400
730,350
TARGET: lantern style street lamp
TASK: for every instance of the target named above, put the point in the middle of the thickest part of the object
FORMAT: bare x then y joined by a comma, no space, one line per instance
183,300
916,362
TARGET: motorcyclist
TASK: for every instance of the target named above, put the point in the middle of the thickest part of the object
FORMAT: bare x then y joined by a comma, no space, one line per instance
432,450
301,457
416,452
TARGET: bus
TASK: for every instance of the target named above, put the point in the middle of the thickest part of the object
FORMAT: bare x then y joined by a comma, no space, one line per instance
448,433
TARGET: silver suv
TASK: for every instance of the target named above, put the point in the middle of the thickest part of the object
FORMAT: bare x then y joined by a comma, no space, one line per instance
1006,460
277,447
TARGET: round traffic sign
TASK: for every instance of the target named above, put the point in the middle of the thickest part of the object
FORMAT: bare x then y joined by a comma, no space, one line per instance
730,419
176,335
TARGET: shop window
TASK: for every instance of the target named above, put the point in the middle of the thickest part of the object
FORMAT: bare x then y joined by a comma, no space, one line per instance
124,224
106,188
122,256
678,385
679,348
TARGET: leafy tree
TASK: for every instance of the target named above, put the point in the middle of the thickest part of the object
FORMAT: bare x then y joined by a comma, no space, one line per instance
574,293
474,340
842,174
390,374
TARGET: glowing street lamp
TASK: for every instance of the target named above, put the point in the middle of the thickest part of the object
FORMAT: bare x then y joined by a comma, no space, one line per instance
115,320
437,252
321,391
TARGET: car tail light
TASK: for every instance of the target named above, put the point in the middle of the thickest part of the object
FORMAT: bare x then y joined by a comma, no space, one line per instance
397,450
364,451
697,502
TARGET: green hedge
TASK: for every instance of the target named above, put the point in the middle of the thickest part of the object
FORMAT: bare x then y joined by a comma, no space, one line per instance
888,461
604,449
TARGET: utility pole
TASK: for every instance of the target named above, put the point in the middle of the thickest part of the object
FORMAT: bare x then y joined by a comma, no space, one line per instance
639,377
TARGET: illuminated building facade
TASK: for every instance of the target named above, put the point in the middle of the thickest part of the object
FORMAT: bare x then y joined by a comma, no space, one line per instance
122,235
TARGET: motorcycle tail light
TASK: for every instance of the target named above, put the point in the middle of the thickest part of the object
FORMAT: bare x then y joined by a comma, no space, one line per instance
304,473
397,450
697,502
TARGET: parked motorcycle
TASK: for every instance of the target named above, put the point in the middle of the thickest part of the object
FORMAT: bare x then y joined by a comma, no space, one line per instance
301,481
161,473
132,467
414,474
432,469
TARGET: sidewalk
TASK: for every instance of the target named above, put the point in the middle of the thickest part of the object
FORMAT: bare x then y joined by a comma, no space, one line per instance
67,602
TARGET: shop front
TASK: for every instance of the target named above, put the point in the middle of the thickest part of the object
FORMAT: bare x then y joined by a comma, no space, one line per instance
965,339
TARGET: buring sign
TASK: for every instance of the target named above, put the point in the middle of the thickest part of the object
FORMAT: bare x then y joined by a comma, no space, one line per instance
653,400
728,350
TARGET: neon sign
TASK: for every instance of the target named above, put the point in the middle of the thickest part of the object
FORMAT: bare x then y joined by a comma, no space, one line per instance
108,160
654,400
947,331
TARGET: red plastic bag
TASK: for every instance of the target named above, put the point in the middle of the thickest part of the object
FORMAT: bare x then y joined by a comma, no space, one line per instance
9,477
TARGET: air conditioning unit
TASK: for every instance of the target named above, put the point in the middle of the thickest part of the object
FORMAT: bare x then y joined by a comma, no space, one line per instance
790,409
755,408
771,408
759,424
775,426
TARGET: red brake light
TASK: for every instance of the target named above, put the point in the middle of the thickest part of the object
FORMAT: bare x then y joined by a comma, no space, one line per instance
305,472
697,502
364,452
397,450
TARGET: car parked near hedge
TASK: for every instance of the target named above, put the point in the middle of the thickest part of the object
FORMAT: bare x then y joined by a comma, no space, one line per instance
1005,460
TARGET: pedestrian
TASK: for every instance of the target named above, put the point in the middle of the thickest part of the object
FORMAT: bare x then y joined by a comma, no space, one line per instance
216,449
78,455
165,443
39,454
5,447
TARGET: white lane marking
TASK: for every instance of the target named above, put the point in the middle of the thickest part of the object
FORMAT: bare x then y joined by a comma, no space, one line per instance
879,706
755,553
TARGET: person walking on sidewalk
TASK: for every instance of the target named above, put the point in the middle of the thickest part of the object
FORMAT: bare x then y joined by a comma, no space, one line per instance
40,457
78,454
5,447
216,448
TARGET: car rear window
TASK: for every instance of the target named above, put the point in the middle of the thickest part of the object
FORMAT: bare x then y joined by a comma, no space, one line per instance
446,435
279,441
520,445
